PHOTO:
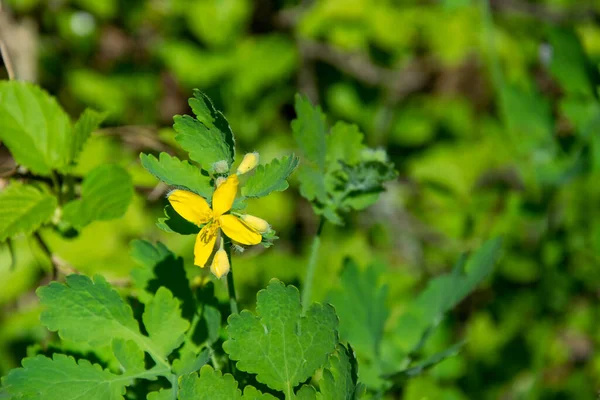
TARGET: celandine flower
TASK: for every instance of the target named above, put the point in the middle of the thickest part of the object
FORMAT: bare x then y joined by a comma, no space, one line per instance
195,209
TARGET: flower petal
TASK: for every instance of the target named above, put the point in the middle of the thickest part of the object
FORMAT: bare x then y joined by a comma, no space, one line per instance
205,243
238,231
225,195
190,206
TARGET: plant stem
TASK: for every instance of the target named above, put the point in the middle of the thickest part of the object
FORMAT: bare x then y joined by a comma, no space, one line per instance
312,265
230,285
48,253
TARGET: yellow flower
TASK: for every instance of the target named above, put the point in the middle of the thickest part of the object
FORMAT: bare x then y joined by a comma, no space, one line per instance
220,264
195,209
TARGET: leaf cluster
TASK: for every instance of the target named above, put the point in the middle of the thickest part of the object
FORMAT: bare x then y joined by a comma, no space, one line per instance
339,172
46,146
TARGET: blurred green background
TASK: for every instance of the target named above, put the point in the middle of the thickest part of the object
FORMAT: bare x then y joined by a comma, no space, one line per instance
488,109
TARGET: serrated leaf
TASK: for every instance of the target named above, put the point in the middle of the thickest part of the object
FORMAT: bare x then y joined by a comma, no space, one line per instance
129,354
207,138
309,131
23,209
345,143
86,311
175,172
105,194
61,378
339,381
278,344
312,184
306,392
160,267
361,306
209,385
163,322
175,223
252,393
190,362
162,394
34,127
87,123
271,177
206,113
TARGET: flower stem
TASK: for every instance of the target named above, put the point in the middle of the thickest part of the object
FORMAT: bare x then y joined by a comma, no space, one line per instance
312,265
230,285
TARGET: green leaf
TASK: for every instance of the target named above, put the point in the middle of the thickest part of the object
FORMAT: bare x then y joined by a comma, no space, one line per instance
361,306
345,143
446,291
87,123
105,194
422,366
312,184
339,379
208,386
62,378
23,209
309,131
271,177
87,311
251,393
162,394
569,62
306,392
208,137
175,223
129,355
360,182
160,267
163,322
279,345
175,172
190,362
34,127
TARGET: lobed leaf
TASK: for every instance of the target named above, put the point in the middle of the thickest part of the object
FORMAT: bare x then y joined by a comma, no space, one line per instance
129,354
175,172
23,209
207,138
62,378
34,127
212,384
105,194
309,131
278,344
270,177
163,322
340,380
87,311
87,123
360,303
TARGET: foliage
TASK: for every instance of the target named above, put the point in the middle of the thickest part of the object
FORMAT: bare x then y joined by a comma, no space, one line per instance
488,115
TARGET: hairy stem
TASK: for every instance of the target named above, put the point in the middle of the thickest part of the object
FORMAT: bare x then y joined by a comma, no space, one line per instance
312,265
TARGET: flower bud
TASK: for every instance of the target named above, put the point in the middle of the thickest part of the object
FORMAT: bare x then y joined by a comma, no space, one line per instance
220,180
258,224
249,162
220,264
221,167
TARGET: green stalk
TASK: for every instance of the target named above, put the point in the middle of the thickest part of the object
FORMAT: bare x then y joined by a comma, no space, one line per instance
312,265
233,305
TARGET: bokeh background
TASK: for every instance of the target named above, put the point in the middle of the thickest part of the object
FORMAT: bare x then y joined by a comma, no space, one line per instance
489,111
